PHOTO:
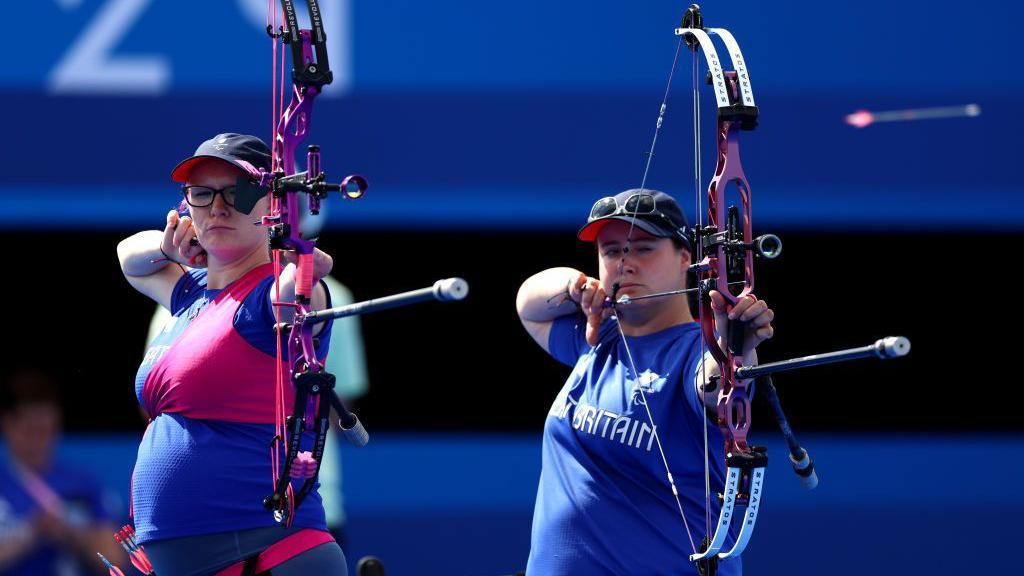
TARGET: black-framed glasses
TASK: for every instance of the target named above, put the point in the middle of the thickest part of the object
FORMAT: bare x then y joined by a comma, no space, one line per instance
202,196
635,205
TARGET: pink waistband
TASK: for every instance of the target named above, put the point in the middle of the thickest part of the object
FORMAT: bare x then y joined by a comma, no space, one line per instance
282,551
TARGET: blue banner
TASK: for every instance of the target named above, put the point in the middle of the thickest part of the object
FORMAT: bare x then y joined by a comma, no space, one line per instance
519,116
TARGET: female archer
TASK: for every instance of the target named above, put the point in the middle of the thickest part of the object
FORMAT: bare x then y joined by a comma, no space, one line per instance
207,382
635,403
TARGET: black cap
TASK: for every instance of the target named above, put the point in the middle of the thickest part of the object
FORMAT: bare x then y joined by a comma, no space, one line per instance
666,221
248,153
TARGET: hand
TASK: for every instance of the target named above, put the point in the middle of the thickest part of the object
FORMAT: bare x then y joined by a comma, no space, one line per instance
178,243
756,313
322,262
591,296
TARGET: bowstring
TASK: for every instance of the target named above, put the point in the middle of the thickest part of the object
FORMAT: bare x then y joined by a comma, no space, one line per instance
698,249
278,374
277,163
615,292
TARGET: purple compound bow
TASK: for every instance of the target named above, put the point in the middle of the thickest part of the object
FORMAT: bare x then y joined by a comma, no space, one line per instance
313,386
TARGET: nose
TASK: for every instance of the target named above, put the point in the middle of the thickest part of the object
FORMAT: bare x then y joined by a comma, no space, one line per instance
627,265
219,205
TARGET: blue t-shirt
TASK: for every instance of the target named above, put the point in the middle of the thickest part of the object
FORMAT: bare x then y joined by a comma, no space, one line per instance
85,503
197,476
604,504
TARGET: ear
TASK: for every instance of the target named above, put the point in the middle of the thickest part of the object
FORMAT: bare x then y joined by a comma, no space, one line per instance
685,258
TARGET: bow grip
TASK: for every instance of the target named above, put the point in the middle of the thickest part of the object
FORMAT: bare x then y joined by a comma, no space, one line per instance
304,276
736,338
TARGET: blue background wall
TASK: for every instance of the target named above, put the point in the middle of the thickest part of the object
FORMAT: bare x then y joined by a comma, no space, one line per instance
475,117
515,117
459,505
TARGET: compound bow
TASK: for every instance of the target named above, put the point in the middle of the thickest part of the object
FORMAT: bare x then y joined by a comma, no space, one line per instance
314,387
724,251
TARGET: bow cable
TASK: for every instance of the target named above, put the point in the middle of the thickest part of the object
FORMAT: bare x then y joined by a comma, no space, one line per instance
615,290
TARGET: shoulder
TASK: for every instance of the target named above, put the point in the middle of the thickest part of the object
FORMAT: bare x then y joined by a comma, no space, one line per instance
188,288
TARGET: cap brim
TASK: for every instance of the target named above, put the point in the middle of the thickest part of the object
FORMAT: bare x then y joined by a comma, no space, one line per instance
184,168
589,232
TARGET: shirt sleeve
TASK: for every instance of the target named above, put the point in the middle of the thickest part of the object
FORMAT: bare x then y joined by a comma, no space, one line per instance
567,340
186,289
692,377
255,320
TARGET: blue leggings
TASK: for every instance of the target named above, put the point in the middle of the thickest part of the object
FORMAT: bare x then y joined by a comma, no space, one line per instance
210,553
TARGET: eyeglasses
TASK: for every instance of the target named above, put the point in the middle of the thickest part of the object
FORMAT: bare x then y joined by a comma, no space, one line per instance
635,205
202,196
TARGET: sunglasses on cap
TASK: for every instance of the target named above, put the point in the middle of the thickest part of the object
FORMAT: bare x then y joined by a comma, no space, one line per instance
640,204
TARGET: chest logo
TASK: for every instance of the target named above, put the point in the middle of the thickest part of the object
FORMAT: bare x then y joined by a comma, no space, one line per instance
648,383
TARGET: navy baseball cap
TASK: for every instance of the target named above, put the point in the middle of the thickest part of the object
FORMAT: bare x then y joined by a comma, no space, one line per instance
248,153
654,212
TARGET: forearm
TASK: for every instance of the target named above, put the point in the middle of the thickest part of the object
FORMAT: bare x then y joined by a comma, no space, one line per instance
140,254
545,295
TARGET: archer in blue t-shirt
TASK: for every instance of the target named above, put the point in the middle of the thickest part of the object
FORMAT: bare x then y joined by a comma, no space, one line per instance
634,407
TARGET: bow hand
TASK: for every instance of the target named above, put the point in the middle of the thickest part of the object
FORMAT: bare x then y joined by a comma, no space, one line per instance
323,263
748,321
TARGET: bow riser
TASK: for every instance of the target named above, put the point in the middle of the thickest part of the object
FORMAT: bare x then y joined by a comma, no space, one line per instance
725,239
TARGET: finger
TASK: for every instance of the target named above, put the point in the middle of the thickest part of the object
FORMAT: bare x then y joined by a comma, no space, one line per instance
169,228
762,319
172,220
575,287
717,301
751,309
184,225
741,307
718,307
186,242
190,245
764,333
597,302
593,328
588,293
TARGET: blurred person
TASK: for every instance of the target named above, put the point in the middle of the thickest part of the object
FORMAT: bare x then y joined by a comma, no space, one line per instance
207,380
54,516
603,504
